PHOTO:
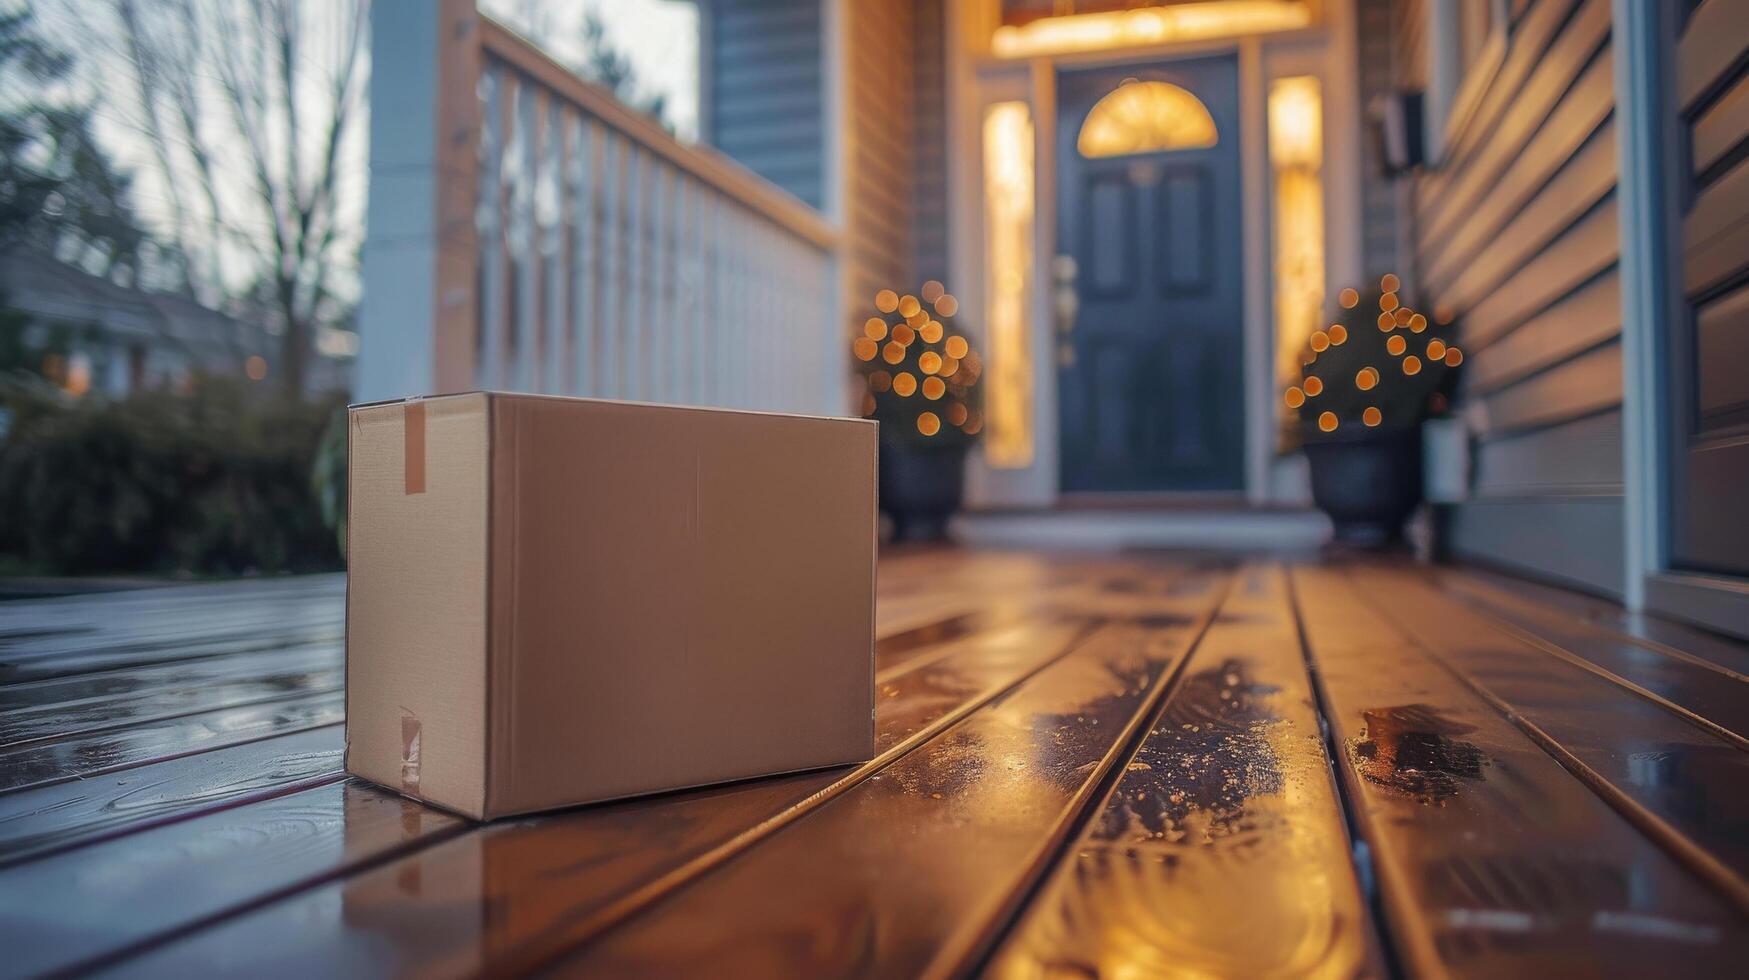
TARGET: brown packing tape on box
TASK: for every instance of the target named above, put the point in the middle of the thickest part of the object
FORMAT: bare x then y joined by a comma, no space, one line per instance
410,751
413,446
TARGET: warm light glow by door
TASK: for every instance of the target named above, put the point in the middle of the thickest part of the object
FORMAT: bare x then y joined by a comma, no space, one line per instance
1008,209
1148,25
1296,155
1146,117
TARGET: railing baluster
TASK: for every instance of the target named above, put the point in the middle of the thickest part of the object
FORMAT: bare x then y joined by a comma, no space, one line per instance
555,354
522,257
695,204
719,345
579,227
489,221
617,263
612,263
654,329
631,325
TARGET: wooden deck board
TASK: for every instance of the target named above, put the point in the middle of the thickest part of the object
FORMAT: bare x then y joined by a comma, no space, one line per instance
55,709
1708,691
83,756
1222,849
1665,767
935,847
63,815
1492,859
166,807
562,873
1576,612
98,902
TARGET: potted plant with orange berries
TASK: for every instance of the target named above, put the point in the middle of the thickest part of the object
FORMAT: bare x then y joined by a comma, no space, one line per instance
919,378
1368,381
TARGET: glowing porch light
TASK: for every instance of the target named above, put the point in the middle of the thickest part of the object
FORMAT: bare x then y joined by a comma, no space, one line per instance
1008,215
1146,117
1148,25
1296,155
78,375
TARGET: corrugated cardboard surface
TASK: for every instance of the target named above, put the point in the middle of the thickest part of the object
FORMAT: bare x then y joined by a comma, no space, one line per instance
575,600
679,597
416,600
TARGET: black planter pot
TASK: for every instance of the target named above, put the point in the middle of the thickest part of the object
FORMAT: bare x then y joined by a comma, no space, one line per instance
1369,483
921,488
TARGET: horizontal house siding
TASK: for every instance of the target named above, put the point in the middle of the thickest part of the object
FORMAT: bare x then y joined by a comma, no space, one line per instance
765,90
1382,230
1516,235
880,149
929,152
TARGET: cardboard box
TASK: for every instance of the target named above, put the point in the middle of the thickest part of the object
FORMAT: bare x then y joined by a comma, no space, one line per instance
554,601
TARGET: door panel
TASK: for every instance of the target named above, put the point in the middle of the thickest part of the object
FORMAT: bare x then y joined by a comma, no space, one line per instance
1709,345
1151,376
1186,220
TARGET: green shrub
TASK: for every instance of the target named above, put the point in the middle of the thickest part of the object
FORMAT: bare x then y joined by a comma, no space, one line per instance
1373,332
216,481
919,371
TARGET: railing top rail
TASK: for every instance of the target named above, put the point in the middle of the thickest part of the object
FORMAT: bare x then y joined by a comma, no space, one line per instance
704,163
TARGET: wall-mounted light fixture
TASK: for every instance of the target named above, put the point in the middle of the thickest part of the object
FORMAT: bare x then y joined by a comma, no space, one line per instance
1008,217
1143,26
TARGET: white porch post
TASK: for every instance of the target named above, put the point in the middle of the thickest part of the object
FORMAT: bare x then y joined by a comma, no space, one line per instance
417,318
1640,151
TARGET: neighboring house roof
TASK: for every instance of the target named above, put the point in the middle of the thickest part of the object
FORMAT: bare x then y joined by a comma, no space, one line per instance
46,288
50,289
56,291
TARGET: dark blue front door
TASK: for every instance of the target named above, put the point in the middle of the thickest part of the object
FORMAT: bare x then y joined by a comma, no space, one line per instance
1150,376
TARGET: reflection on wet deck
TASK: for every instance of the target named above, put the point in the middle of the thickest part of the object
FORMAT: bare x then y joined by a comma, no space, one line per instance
1133,766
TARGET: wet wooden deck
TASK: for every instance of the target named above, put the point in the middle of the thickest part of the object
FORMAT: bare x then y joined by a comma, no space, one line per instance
1136,766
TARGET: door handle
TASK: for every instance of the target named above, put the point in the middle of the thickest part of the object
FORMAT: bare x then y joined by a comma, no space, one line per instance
1066,303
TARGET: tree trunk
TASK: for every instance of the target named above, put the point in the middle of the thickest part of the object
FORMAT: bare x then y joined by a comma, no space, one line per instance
295,356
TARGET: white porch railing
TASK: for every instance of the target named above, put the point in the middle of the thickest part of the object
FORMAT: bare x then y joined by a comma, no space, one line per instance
573,246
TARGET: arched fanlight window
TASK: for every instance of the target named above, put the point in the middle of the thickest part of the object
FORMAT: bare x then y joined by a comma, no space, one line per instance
1146,117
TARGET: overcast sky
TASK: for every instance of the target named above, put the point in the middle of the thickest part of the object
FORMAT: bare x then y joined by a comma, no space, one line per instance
660,37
